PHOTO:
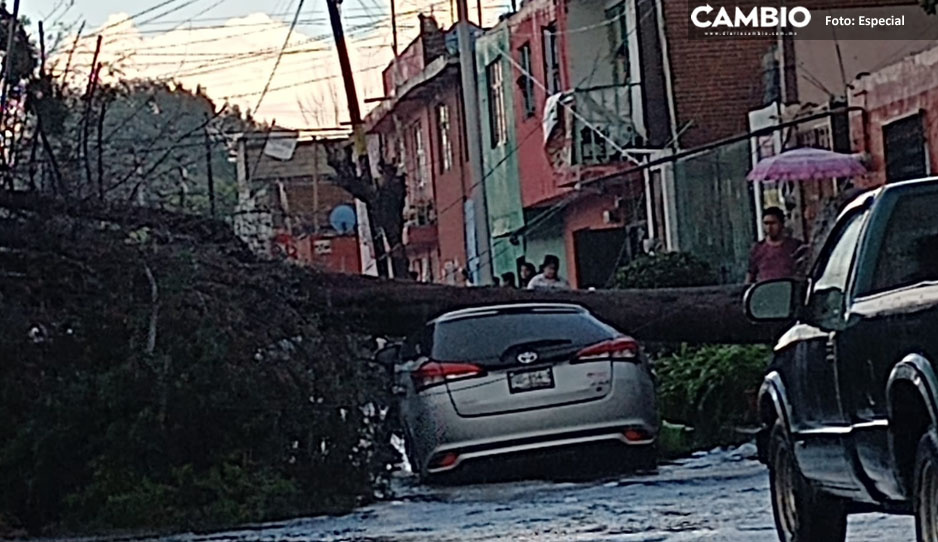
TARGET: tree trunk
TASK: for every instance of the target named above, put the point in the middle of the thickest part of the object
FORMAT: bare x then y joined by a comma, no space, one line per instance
395,308
697,315
384,201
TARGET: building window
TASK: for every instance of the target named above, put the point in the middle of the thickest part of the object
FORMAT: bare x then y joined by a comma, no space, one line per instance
526,80
421,163
551,59
496,96
446,143
618,43
904,146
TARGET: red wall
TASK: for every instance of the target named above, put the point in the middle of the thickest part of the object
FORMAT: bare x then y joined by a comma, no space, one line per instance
344,257
538,183
451,188
894,92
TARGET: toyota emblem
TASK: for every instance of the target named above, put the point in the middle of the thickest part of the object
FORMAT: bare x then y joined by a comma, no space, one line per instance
527,357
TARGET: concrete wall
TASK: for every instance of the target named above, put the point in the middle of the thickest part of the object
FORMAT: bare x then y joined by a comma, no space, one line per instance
817,65
589,50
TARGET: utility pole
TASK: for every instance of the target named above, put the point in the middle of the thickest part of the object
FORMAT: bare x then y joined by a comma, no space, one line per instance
355,114
481,254
394,25
360,155
208,168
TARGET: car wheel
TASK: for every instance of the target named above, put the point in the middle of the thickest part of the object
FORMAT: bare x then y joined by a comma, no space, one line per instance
925,488
802,514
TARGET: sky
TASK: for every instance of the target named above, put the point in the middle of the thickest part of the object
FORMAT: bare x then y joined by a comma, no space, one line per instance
230,47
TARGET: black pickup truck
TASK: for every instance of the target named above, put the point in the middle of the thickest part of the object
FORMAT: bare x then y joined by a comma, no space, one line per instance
849,405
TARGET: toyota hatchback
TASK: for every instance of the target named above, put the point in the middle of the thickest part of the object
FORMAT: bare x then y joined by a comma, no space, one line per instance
497,381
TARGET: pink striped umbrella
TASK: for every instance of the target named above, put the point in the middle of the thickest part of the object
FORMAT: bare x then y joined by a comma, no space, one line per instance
807,165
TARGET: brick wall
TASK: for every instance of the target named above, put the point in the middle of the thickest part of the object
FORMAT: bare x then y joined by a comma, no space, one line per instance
715,81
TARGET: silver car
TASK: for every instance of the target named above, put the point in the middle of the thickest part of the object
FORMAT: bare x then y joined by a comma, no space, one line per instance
494,381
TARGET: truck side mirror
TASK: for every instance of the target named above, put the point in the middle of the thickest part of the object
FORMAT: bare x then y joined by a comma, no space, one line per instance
772,301
826,309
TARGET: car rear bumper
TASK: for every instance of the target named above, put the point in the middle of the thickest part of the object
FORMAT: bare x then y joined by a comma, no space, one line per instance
449,457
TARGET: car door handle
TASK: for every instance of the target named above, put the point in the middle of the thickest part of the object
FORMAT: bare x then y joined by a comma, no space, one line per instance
399,391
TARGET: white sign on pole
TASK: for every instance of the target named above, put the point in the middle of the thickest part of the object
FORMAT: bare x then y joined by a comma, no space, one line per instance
281,145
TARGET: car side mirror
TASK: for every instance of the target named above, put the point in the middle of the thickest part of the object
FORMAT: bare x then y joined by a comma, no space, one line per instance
772,301
389,355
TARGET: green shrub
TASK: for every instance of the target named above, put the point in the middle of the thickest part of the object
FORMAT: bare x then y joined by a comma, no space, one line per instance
665,270
239,403
711,388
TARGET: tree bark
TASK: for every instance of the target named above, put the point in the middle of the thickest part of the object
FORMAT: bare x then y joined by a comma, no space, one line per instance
695,315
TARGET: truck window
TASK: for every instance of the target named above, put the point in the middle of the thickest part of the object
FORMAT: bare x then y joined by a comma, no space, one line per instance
834,266
909,250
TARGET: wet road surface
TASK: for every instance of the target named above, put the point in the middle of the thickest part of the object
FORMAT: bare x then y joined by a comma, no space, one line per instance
718,496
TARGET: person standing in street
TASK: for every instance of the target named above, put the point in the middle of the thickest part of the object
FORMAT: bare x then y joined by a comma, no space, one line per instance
776,256
549,277
508,280
527,273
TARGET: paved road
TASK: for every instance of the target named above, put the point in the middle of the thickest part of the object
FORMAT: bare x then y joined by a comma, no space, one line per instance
720,496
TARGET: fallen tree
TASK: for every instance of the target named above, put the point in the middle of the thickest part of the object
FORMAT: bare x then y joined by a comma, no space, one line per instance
393,308
699,315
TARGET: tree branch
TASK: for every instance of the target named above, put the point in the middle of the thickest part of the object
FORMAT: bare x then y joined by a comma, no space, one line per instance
154,310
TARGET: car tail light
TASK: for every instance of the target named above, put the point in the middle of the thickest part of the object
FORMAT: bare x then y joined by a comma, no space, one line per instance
635,435
444,461
433,373
621,348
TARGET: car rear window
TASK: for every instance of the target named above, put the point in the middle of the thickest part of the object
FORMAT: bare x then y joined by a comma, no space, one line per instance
482,338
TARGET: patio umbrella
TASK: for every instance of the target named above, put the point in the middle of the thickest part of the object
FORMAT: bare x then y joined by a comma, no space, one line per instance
807,165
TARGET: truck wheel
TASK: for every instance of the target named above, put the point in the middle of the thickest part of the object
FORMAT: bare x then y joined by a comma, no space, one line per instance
802,514
925,488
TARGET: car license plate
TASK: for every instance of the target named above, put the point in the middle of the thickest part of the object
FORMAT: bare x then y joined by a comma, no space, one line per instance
530,380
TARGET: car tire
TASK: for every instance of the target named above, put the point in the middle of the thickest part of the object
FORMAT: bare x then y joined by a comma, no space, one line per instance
802,514
646,458
925,488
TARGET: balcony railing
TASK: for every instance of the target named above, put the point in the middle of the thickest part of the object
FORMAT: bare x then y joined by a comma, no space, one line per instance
608,110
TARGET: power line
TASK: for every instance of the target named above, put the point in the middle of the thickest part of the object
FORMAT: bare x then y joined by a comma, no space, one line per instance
129,18
286,42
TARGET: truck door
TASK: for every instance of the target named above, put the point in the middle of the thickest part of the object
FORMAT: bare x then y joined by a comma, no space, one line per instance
900,251
823,437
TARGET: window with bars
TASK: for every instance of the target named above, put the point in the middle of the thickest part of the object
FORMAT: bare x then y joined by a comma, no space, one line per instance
420,166
525,80
496,87
551,59
446,142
